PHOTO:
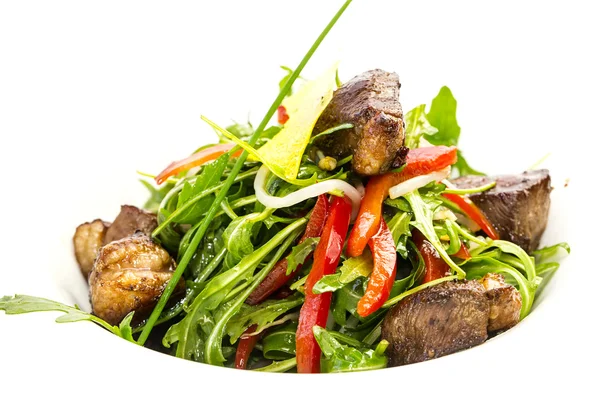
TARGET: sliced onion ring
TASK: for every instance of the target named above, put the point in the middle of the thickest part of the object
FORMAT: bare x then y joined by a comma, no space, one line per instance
417,182
305,193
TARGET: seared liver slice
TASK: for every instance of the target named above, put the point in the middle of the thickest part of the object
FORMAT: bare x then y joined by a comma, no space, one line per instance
437,321
129,221
370,101
517,206
505,303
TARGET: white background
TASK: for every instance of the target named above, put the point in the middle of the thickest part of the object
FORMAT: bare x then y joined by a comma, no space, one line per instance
90,92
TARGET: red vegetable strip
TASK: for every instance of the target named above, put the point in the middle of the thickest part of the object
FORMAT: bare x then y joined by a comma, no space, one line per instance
463,252
435,266
474,213
420,161
278,275
384,271
315,309
245,346
195,160
282,115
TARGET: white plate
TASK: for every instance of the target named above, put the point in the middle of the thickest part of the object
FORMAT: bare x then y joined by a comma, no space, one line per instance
90,93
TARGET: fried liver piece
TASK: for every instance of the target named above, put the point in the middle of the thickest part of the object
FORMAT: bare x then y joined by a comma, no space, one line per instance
130,275
436,321
87,241
129,221
449,317
505,303
517,206
370,101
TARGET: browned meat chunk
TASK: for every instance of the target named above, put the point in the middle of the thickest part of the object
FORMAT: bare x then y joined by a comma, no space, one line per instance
449,317
437,321
505,303
130,275
87,240
517,206
129,221
370,101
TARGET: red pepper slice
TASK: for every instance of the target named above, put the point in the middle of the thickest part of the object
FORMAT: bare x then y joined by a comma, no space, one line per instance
384,271
282,115
463,252
245,346
435,266
420,161
474,213
195,160
315,309
278,277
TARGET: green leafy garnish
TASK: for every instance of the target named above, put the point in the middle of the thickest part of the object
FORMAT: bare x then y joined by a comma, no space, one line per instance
545,254
300,252
442,115
423,221
261,315
417,125
210,177
351,269
342,358
21,304
280,343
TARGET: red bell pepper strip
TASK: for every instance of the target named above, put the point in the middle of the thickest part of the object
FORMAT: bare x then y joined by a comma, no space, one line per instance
195,160
245,346
462,253
473,212
420,161
384,271
435,266
315,309
278,275
282,115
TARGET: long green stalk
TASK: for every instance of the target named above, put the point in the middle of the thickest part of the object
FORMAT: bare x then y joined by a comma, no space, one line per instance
178,273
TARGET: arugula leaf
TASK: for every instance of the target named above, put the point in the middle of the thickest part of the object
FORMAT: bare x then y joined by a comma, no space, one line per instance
399,204
279,366
423,221
242,131
346,299
351,269
237,237
442,115
546,254
300,252
280,343
21,304
213,346
213,295
261,315
417,125
210,176
342,358
156,195
399,226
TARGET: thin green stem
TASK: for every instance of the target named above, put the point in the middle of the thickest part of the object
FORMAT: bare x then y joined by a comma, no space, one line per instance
230,179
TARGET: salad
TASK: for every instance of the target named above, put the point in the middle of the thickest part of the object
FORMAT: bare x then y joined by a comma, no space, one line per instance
346,236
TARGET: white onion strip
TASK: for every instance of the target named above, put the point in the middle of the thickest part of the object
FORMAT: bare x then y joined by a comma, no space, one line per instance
305,193
417,182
